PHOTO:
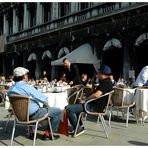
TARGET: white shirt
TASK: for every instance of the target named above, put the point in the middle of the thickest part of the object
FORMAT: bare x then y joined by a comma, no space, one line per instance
142,78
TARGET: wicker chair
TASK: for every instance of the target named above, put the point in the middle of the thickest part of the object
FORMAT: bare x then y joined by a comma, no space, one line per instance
96,113
2,95
20,108
118,102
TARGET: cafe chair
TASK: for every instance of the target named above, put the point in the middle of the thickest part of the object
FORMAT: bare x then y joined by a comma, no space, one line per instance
95,112
72,94
118,102
3,100
80,88
87,91
80,93
20,108
2,95
9,116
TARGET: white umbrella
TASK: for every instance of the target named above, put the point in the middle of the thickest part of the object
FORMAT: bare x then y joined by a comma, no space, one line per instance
82,55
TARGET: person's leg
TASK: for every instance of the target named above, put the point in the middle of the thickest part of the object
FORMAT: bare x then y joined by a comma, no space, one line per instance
56,116
40,113
54,113
73,112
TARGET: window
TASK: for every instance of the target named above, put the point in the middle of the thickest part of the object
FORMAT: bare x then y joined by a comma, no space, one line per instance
47,11
20,14
9,17
64,9
83,6
32,13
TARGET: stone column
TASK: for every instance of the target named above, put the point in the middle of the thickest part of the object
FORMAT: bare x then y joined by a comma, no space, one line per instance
73,7
55,11
76,7
26,17
5,25
39,14
15,22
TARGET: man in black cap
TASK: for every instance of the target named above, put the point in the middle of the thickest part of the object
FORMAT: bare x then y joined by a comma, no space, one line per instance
105,86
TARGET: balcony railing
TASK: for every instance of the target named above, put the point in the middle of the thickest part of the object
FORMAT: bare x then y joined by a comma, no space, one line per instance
95,12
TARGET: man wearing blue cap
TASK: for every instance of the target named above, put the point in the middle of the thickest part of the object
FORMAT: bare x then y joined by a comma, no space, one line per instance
105,86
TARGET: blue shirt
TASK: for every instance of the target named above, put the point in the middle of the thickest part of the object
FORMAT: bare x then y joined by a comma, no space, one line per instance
25,89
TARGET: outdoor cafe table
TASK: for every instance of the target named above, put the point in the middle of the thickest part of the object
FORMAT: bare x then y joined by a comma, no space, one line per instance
58,99
141,102
55,99
123,96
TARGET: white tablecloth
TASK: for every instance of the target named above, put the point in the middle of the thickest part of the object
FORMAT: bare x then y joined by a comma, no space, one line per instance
57,99
123,96
141,102
54,100
128,96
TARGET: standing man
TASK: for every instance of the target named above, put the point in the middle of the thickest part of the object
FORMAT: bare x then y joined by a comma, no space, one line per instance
22,88
105,86
71,72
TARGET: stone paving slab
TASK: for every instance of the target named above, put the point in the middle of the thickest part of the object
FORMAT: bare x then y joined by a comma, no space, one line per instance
119,135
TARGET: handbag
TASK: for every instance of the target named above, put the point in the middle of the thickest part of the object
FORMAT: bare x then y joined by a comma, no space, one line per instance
63,126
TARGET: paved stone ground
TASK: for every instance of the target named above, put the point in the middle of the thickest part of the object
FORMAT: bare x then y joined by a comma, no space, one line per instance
119,135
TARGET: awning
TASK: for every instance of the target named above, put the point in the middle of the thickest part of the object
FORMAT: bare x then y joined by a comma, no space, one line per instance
82,55
141,38
112,42
46,53
31,57
63,51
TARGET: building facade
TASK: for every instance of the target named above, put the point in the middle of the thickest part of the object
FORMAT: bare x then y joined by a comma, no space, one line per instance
33,34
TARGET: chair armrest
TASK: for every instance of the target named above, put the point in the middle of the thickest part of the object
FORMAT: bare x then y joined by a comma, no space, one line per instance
72,95
94,99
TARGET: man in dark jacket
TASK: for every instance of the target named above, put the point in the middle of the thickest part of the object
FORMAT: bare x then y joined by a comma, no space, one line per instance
71,72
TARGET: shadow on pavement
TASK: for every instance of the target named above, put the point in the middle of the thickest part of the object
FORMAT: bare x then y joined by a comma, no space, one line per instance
138,143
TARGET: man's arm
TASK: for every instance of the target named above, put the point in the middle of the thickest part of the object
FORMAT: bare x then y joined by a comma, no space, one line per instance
96,94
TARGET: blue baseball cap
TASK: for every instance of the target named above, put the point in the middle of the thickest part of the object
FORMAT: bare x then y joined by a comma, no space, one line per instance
105,69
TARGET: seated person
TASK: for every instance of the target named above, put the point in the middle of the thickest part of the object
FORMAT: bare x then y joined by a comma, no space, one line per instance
10,81
85,80
104,87
2,80
131,80
21,87
142,78
121,82
112,80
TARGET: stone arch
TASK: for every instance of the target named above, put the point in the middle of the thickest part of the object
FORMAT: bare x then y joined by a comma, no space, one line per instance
63,51
113,57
